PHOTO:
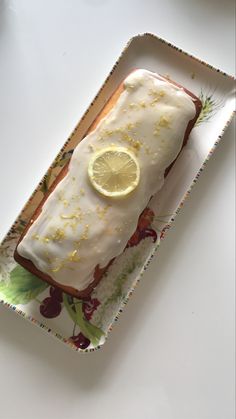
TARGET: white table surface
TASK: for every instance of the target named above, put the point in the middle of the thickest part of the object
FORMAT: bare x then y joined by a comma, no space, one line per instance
54,55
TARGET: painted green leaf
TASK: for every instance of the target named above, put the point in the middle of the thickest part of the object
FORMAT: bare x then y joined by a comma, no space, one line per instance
119,283
49,177
210,106
68,303
90,331
61,161
75,311
46,183
22,286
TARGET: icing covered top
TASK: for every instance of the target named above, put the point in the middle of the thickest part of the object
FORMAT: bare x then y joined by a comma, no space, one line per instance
79,228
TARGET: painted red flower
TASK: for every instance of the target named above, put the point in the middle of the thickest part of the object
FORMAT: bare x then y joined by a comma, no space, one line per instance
142,231
50,308
148,232
56,294
145,219
89,306
80,341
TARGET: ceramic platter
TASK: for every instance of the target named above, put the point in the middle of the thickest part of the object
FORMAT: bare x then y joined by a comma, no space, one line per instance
86,328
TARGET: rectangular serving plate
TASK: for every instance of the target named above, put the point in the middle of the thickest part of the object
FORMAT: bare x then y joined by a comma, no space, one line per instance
90,322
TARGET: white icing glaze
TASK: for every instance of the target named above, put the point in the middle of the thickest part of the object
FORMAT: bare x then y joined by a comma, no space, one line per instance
78,228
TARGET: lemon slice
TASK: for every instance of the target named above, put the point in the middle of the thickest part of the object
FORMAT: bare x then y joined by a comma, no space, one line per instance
114,171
